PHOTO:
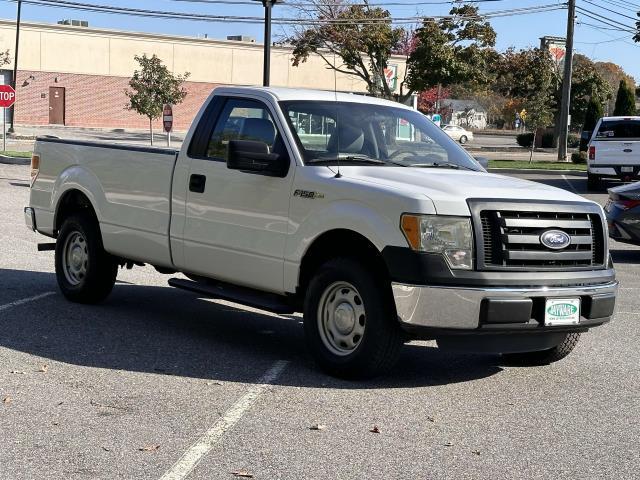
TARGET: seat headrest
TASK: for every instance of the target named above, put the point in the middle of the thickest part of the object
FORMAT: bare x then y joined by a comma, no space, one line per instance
346,139
258,129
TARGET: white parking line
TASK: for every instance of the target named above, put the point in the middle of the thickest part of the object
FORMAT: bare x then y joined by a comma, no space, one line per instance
22,301
569,183
185,465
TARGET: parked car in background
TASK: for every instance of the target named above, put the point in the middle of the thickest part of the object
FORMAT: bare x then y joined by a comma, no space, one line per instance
614,151
623,213
459,134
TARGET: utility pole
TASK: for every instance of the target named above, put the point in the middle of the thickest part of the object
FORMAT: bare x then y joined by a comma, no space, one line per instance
266,73
566,84
15,63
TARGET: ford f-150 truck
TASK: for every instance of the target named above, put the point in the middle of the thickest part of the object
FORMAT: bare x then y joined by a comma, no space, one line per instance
358,212
614,151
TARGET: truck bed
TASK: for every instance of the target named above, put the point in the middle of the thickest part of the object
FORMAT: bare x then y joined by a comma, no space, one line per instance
129,186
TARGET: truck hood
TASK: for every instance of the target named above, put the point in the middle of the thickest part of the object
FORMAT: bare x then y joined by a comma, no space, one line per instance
450,189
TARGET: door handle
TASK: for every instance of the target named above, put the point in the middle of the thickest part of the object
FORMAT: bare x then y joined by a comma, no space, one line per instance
197,183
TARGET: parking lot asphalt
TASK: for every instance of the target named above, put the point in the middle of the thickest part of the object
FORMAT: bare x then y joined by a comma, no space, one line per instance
157,383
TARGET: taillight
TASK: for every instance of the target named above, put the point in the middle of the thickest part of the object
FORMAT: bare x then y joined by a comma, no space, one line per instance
35,167
592,152
626,204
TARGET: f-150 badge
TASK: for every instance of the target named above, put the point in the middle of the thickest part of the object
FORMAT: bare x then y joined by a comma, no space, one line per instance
308,194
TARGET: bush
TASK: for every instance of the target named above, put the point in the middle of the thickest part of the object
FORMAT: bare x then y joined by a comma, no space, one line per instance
525,140
579,157
573,141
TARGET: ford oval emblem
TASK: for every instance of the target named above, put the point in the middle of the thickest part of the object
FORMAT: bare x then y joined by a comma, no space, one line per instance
555,239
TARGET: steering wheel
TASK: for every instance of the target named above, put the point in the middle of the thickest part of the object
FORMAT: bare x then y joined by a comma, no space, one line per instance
402,151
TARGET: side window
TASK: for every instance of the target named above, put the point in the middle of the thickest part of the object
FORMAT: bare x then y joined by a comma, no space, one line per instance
242,120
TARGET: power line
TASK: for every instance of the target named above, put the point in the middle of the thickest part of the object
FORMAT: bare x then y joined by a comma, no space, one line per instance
610,11
279,20
606,20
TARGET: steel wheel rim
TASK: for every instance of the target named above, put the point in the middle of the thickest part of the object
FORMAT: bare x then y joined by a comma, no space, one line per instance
75,258
341,318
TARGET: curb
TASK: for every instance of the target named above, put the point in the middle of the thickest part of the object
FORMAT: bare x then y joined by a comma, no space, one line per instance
538,170
15,160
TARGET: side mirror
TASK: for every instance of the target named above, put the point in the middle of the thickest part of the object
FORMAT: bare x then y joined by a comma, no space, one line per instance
254,157
483,161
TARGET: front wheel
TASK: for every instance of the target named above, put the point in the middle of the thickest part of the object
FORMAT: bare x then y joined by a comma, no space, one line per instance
463,139
85,272
350,321
544,357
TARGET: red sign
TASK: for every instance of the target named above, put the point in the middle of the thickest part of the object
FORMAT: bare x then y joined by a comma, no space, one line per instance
7,96
167,118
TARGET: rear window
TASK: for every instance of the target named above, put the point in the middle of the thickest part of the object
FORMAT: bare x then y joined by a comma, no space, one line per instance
619,129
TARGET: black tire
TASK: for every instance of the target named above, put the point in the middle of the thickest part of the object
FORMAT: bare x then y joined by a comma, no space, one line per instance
594,182
463,139
544,357
379,345
101,269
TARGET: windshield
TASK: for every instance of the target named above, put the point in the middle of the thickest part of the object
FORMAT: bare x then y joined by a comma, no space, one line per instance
619,129
355,133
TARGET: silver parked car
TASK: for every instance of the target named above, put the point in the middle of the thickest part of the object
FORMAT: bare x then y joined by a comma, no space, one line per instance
459,134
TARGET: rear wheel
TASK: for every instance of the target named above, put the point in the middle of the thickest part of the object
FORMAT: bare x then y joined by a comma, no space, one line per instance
85,272
350,321
463,139
544,357
594,182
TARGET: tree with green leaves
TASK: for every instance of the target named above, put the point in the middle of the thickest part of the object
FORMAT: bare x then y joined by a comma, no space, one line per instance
587,86
594,113
625,101
539,114
452,50
352,39
153,86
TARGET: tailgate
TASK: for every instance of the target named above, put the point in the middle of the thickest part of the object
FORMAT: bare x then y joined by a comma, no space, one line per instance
617,152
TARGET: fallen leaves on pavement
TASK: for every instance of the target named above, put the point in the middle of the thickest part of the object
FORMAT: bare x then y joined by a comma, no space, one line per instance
476,452
149,448
242,474
375,429
44,368
317,426
6,400
448,444
17,372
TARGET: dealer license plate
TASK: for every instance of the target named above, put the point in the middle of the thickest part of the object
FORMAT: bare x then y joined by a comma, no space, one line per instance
626,169
562,311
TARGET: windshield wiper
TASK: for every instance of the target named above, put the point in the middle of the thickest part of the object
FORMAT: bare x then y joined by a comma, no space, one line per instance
454,166
350,158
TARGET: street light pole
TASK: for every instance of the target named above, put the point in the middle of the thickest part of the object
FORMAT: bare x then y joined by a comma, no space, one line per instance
266,73
15,62
566,84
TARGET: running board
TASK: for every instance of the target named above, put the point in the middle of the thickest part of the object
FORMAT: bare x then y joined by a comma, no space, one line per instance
244,296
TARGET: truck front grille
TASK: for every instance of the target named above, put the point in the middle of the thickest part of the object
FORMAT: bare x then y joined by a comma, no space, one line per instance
509,237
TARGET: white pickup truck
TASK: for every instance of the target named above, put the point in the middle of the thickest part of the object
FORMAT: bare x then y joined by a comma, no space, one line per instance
358,212
614,151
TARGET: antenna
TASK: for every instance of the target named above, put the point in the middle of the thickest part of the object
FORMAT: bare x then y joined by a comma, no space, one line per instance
335,97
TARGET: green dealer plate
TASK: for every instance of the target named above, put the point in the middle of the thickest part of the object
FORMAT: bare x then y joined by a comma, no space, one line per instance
562,311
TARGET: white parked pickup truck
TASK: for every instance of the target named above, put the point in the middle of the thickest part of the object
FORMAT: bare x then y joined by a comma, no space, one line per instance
358,212
614,151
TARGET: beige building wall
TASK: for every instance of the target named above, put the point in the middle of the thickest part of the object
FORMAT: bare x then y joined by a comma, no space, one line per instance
91,51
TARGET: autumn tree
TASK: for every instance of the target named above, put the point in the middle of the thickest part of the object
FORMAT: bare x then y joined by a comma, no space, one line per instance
352,39
153,86
625,100
612,73
455,49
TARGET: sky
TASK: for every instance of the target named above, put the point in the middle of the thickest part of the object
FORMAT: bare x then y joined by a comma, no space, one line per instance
601,43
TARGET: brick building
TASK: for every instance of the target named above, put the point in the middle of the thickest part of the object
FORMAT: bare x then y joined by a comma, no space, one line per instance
77,76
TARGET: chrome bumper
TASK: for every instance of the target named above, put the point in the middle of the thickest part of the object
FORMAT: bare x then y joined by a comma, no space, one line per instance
460,308
30,218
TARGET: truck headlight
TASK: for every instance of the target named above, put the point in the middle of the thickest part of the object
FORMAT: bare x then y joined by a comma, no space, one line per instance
450,236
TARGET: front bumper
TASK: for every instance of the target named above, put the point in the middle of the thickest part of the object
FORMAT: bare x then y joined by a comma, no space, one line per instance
455,309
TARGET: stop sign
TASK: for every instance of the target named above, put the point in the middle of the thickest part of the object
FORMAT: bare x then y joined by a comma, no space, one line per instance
7,96
167,118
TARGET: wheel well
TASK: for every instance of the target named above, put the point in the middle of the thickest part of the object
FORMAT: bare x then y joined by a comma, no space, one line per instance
339,243
73,201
